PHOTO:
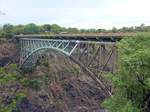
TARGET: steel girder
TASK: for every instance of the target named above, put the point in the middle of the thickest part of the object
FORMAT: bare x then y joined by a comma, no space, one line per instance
97,56
31,49
94,57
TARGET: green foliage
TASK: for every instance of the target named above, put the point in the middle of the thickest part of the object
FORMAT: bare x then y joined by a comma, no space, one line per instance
132,82
9,78
55,28
72,30
119,104
13,104
24,81
147,82
2,70
19,96
19,29
35,84
9,108
46,79
32,83
13,66
9,30
46,28
31,29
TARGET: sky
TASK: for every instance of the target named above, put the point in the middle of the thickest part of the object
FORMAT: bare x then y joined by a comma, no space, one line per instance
76,13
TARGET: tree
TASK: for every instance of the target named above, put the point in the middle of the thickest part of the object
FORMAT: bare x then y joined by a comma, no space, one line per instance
83,31
19,29
147,28
31,29
132,82
7,31
100,30
72,30
55,28
114,29
63,29
8,28
92,30
46,28
1,33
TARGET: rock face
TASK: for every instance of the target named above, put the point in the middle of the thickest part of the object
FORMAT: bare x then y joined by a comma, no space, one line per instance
8,52
4,61
63,86
71,95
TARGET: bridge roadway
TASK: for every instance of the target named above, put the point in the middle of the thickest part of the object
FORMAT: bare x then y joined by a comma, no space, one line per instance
111,37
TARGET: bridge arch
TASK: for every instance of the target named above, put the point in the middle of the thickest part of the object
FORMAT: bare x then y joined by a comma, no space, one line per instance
38,52
86,70
32,48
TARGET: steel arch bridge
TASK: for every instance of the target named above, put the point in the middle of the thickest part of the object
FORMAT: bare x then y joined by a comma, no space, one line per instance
97,56
93,55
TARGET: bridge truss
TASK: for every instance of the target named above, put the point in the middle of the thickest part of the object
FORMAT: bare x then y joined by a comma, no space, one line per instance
98,56
93,56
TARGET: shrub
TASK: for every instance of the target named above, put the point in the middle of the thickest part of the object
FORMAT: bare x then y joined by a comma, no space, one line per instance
35,84
132,82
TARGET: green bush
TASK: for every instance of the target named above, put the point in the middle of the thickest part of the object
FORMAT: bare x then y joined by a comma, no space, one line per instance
9,78
35,84
12,107
132,82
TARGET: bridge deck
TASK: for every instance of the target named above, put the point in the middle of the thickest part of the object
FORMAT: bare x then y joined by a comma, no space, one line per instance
91,36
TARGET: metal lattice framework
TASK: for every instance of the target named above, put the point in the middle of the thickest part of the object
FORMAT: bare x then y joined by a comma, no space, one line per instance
94,57
31,49
97,56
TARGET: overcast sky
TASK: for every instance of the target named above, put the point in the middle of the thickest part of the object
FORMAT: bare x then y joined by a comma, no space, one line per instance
76,13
